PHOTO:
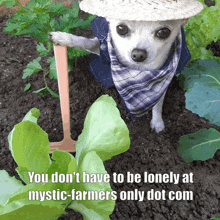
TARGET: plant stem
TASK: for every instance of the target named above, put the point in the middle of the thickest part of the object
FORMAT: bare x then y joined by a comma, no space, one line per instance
45,78
19,4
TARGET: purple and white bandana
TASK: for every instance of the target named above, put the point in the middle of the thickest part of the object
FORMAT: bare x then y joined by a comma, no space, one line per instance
141,90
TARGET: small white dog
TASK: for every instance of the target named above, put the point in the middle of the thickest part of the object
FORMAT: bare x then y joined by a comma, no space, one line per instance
141,47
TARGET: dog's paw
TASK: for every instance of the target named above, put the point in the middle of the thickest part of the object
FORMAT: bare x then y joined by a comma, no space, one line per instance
157,125
58,38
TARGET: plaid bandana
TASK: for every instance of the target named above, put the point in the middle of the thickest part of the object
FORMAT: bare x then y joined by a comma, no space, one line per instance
141,90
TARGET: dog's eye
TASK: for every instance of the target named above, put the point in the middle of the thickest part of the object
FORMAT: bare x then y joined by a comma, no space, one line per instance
122,29
163,33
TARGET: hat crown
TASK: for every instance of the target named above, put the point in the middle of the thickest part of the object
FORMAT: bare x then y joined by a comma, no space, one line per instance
145,10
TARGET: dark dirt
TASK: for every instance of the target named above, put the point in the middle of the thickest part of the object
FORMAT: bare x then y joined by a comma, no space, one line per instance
149,152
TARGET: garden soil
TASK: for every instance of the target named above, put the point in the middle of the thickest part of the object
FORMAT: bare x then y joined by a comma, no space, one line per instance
149,152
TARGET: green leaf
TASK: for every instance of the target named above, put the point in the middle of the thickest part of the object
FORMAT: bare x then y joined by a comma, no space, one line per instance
2,2
53,93
23,192
8,186
45,91
52,71
31,4
42,8
56,7
196,70
10,3
83,24
28,86
32,115
75,8
204,101
215,218
67,22
104,131
29,146
26,210
54,24
202,81
61,160
42,50
10,27
92,164
20,206
201,30
88,214
63,163
32,67
201,145
74,53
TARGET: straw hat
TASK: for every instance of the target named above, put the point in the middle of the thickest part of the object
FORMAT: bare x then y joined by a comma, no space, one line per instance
142,10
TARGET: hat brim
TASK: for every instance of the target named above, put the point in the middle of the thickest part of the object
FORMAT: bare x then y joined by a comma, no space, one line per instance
139,10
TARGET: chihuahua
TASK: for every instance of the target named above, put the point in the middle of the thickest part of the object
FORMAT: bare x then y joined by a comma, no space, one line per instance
138,45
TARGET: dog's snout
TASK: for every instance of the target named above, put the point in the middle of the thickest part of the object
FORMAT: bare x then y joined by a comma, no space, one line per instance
138,55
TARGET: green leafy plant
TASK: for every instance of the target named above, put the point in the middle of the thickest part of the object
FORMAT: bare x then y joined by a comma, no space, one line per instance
201,81
34,66
201,145
37,19
201,30
104,135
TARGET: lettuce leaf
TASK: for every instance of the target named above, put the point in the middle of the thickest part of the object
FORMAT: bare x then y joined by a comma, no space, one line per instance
92,164
25,210
20,207
201,30
29,146
8,186
104,131
63,163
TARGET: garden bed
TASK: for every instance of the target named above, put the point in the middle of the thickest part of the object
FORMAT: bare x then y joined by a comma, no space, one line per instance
149,152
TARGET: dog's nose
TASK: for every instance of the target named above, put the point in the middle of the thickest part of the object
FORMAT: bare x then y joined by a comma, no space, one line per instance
138,55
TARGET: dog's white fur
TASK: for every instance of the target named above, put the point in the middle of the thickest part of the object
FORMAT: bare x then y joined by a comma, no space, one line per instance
141,35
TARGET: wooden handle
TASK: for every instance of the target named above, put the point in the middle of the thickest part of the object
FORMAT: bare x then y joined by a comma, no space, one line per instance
67,144
63,83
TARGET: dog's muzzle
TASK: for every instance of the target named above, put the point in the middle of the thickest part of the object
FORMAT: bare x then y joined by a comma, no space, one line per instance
138,55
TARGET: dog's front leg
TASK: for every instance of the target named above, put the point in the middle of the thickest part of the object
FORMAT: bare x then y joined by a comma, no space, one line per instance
157,122
70,40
